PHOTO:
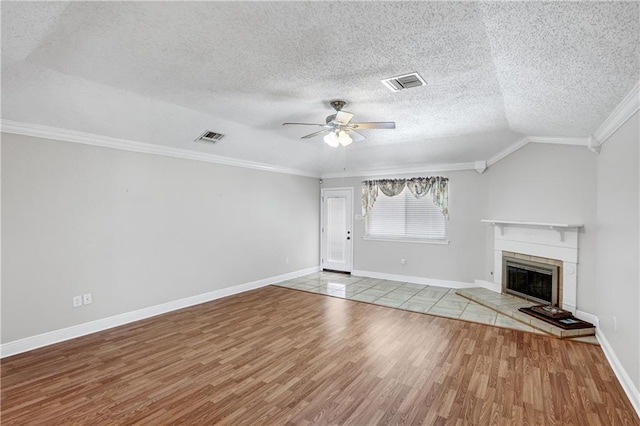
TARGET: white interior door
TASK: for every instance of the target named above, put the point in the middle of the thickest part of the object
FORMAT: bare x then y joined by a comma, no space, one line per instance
337,233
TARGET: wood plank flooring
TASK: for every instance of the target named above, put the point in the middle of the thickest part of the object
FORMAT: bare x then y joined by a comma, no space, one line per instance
277,356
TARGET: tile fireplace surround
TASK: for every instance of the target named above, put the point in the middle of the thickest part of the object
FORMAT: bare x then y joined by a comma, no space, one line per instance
546,240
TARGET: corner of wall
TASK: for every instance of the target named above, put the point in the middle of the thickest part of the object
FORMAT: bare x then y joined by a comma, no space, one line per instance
627,384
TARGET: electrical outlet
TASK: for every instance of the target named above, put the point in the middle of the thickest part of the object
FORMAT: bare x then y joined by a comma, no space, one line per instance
403,261
287,260
86,299
77,301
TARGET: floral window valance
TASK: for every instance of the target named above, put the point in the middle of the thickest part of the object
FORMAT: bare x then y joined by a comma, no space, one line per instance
437,187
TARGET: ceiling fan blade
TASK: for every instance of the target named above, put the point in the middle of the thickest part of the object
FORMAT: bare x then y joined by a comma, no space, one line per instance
375,125
304,124
357,137
343,117
315,134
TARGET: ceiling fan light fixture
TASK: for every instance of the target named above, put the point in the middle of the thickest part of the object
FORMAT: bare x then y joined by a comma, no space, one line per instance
331,139
344,139
340,130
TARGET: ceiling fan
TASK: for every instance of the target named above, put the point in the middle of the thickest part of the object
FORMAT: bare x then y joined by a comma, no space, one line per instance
338,128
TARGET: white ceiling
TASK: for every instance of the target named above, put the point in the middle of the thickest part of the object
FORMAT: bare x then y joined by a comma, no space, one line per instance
163,73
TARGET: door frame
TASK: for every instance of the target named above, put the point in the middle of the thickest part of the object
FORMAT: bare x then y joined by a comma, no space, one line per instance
349,223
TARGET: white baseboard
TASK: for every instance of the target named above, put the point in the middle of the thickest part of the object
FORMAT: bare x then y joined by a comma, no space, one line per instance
585,316
56,336
627,384
414,280
489,285
570,308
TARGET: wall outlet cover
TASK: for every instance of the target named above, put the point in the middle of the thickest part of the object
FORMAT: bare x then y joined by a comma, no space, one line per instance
87,299
77,301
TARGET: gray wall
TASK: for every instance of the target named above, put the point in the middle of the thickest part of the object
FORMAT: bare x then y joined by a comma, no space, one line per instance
137,230
618,279
461,260
554,184
539,183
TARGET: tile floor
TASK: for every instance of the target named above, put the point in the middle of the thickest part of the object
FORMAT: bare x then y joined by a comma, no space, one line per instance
440,301
509,305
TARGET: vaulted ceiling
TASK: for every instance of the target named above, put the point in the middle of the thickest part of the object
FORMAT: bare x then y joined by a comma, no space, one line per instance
163,72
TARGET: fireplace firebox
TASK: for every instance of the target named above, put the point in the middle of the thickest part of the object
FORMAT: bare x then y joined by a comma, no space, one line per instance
535,281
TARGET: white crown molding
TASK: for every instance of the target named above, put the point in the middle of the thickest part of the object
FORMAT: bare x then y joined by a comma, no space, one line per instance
629,106
401,171
623,112
594,145
48,132
559,140
507,151
625,109
480,166
61,335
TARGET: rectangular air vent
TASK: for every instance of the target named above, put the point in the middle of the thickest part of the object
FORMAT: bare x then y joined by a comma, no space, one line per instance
405,81
210,136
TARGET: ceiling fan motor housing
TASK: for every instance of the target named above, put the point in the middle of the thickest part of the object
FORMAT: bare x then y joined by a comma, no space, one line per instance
337,105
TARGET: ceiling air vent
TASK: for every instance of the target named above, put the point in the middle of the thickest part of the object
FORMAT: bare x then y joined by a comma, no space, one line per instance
405,81
210,136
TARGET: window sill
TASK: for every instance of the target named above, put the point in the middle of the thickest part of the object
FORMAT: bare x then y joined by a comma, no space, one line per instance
407,240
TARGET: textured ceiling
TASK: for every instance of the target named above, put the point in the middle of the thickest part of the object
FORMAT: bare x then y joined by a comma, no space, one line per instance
165,72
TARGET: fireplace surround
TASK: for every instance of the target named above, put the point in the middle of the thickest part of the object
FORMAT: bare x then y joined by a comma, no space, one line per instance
553,242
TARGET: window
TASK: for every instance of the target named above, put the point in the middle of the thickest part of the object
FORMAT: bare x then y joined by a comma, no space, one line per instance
405,217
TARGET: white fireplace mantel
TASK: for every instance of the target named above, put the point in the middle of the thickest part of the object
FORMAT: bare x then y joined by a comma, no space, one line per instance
560,228
551,240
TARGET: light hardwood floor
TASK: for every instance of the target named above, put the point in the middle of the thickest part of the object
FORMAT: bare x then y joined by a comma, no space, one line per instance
278,356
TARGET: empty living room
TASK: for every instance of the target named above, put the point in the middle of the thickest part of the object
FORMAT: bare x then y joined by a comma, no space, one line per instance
320,213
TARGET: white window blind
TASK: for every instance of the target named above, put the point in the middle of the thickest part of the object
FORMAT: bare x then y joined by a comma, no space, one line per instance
405,217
